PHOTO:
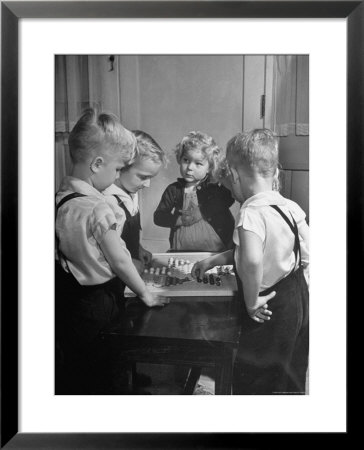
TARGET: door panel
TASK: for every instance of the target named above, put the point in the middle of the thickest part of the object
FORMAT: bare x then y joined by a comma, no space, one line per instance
254,74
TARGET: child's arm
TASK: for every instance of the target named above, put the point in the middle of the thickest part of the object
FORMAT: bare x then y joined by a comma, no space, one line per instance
144,255
121,264
163,215
251,259
220,259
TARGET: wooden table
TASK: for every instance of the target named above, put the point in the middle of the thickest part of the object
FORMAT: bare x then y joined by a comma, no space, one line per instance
192,331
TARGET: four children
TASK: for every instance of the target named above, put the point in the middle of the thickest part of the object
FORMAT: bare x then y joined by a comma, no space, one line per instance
97,237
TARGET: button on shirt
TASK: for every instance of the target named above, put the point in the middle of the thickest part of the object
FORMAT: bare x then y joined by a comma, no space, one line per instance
81,225
257,216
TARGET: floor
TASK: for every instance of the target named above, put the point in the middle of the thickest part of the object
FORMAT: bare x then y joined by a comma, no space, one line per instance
169,380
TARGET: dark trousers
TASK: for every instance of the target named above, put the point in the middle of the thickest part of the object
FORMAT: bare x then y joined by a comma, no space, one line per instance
83,363
273,356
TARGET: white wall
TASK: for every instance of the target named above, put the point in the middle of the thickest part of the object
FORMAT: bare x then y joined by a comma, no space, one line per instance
168,96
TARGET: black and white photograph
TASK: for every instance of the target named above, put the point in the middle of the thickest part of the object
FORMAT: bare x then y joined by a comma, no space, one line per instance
180,184
182,224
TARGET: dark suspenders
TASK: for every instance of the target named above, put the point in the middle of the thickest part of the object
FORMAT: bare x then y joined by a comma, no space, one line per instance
131,229
127,212
121,204
62,202
294,229
67,198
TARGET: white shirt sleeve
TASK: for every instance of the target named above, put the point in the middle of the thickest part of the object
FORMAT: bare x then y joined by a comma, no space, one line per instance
103,218
251,220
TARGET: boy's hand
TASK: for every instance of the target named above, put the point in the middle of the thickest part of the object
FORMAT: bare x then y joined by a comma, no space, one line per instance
260,312
199,269
145,256
154,300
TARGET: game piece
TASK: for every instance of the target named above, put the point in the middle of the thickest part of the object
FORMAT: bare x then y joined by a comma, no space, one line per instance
163,276
150,277
145,274
170,275
168,278
157,278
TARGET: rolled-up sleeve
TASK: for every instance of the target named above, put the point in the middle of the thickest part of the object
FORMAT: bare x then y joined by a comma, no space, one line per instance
103,219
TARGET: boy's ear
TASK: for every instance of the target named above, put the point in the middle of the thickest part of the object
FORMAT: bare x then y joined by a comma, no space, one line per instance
234,175
96,163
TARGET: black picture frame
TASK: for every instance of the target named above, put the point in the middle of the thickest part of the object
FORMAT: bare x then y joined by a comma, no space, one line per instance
11,12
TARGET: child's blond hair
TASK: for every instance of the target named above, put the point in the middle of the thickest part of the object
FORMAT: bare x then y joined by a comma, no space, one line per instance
100,133
196,140
256,149
148,148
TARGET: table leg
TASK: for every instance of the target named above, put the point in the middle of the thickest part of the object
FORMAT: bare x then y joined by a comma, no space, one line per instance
224,374
132,376
192,378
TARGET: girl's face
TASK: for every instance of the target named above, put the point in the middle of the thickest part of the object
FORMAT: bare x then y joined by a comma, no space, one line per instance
138,175
194,166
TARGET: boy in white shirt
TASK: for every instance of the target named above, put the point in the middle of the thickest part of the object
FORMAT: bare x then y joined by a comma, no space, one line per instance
93,264
146,164
270,256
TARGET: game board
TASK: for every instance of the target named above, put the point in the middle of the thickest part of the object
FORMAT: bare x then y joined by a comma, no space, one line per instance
170,275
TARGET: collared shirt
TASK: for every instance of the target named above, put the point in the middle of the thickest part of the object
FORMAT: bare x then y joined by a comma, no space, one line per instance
257,216
131,201
81,225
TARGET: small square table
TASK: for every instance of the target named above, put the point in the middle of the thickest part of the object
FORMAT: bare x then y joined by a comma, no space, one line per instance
192,331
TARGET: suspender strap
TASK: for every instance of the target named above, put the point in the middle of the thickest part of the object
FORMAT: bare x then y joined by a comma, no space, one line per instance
69,197
121,204
131,230
294,229
62,202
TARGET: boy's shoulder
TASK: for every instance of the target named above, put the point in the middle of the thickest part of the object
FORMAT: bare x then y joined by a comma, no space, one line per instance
77,193
79,200
295,208
112,190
